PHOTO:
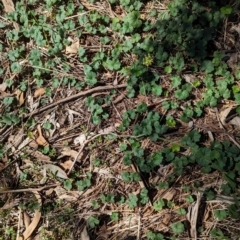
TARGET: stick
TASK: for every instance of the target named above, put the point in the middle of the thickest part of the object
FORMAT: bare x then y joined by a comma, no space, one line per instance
73,97
29,189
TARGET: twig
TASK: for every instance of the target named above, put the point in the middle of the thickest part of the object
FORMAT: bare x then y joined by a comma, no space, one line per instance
139,224
30,189
73,97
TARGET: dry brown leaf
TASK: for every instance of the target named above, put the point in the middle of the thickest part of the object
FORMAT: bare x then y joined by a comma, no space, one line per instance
39,92
40,156
41,140
169,194
8,6
73,48
236,122
49,192
20,97
70,153
192,216
56,170
3,87
84,234
32,226
67,164
107,130
224,113
26,219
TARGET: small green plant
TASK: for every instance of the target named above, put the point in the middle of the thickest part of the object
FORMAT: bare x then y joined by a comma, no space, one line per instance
93,221
67,184
85,183
220,214
218,234
177,227
109,198
96,110
132,200
114,216
154,236
159,205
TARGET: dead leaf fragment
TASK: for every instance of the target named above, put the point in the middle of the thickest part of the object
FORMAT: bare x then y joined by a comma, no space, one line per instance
169,194
56,170
84,234
39,92
41,140
20,97
73,48
8,6
3,87
235,121
67,164
80,139
70,153
224,113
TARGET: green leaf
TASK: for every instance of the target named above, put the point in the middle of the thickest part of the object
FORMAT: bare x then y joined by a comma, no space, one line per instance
90,78
8,101
132,200
177,227
155,236
220,214
144,196
163,185
114,216
92,222
68,184
226,10
207,66
168,69
181,211
16,67
141,108
157,90
158,205
47,125
176,81
189,199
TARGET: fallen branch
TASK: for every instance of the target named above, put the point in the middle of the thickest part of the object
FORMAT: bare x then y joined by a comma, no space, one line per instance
29,189
73,97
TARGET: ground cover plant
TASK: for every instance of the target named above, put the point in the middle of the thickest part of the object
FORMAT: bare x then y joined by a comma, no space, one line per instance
119,119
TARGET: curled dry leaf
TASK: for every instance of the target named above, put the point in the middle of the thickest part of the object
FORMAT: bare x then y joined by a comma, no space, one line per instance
32,226
20,97
56,170
26,219
41,140
39,92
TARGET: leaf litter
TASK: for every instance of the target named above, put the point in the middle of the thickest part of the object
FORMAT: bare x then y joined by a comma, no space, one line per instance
101,141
